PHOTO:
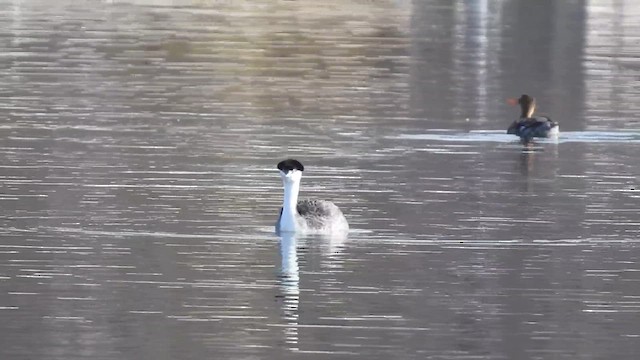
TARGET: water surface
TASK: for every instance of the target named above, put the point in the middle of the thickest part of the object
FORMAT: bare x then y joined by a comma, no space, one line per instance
138,188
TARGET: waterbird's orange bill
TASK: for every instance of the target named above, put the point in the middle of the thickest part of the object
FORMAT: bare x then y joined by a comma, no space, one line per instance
512,101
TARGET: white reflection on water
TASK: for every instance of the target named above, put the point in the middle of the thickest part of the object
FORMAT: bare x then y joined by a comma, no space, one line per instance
330,248
290,287
502,137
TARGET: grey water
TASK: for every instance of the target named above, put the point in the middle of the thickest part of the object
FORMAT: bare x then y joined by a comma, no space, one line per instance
138,188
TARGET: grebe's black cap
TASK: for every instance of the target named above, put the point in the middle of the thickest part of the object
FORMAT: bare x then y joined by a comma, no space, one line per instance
290,164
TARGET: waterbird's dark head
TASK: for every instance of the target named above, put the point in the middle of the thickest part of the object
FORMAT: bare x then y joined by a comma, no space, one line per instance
290,164
527,105
290,170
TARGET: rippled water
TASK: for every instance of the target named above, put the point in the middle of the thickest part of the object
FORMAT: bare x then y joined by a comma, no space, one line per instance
138,188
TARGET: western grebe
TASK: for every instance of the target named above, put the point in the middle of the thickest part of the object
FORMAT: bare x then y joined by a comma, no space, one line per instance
305,216
529,126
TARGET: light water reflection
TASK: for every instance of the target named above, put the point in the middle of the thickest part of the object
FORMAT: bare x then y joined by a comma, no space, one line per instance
138,188
290,284
293,303
502,137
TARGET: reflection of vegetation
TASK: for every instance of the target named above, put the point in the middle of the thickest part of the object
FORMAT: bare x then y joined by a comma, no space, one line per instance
297,64
274,55
177,50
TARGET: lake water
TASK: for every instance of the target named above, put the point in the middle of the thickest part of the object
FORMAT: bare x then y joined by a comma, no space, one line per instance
138,188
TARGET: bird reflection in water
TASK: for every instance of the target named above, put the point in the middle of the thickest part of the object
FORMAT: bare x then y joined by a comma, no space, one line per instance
527,158
538,165
289,278
290,287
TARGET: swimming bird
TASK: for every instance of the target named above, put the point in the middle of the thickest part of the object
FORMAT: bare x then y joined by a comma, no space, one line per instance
305,216
529,126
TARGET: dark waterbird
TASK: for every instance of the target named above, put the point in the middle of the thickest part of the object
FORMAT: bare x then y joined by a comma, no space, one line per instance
528,126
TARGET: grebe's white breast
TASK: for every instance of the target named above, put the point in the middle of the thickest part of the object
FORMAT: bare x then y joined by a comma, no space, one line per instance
305,216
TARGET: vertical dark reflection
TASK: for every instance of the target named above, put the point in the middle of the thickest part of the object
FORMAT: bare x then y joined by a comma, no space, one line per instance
542,51
527,32
432,32
568,92
541,54
466,59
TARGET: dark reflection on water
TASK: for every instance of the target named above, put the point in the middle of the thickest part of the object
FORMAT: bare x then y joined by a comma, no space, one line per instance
138,188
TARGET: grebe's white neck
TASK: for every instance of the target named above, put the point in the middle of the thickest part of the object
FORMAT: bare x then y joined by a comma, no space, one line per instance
291,184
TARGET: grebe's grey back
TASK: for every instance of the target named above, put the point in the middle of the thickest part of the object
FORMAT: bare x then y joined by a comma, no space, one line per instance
305,216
